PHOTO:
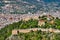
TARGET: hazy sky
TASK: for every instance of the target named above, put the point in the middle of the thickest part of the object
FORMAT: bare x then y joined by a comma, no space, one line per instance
51,0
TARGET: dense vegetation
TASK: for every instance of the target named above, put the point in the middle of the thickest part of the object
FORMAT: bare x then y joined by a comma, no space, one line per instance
36,35
6,32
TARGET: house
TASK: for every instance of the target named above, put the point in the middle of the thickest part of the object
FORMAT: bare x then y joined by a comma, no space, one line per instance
49,17
52,22
26,18
35,17
41,22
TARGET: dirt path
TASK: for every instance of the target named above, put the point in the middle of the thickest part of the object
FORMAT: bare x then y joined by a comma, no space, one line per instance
35,29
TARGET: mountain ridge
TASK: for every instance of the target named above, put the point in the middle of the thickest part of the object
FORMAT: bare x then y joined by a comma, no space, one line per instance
25,6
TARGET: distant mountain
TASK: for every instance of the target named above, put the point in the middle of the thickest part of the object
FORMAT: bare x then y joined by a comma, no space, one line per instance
25,6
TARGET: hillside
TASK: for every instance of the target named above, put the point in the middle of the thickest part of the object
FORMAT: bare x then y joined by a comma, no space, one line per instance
44,22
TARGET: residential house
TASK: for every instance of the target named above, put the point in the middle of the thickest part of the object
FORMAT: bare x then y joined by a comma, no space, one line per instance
41,22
